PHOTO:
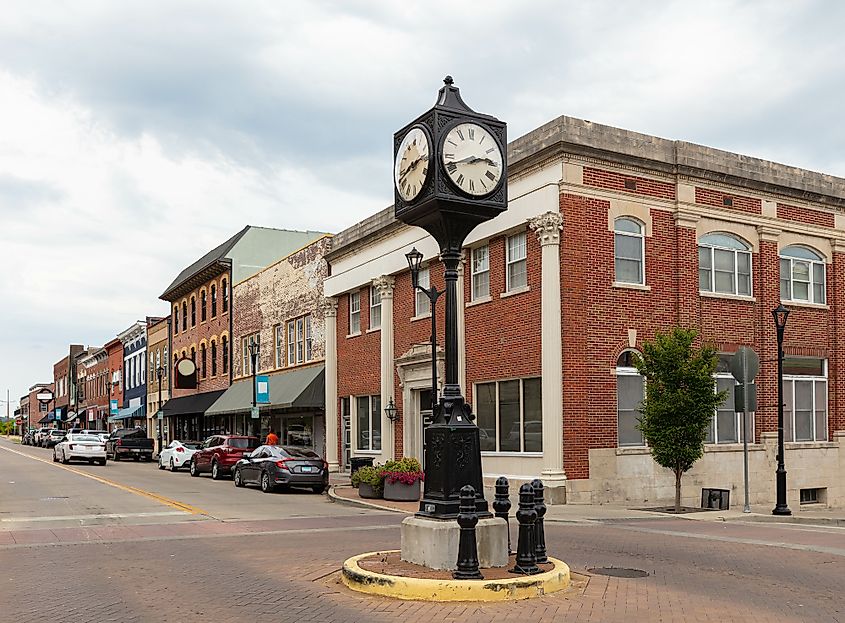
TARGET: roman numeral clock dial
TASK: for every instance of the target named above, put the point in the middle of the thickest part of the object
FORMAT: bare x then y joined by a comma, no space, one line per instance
411,168
472,159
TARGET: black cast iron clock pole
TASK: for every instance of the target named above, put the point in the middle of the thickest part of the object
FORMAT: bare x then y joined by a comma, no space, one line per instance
460,181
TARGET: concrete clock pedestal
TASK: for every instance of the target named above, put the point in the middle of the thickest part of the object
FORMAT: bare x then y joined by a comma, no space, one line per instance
433,543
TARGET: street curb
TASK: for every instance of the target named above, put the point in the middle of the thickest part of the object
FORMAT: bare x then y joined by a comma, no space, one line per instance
334,497
424,589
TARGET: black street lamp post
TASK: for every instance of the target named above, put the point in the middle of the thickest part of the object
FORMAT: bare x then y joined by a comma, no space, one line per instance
254,351
415,258
780,314
159,415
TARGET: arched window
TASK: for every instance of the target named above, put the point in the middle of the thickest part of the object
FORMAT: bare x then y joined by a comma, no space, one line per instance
629,395
184,316
214,300
629,250
203,305
193,311
213,358
724,265
194,355
203,369
802,275
224,341
175,319
224,292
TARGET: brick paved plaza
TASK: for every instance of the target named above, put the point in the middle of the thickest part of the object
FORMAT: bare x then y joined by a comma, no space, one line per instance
278,555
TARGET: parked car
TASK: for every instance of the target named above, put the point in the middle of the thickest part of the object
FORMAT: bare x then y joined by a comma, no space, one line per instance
219,453
177,454
126,442
52,437
80,446
38,437
28,438
282,466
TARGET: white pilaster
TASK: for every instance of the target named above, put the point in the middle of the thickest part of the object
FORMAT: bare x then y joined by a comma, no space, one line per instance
384,285
548,227
332,423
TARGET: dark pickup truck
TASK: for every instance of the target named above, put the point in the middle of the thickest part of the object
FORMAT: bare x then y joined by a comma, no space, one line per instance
129,442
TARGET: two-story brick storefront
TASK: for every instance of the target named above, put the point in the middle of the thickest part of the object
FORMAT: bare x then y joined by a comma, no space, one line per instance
609,236
201,323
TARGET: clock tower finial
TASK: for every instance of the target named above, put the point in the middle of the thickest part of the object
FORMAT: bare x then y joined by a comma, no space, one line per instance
449,96
448,80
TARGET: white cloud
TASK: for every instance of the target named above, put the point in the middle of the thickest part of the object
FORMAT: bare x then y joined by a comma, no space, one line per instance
134,136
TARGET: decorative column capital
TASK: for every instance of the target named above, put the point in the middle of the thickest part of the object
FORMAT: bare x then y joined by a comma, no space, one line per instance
768,233
384,284
329,306
547,227
838,245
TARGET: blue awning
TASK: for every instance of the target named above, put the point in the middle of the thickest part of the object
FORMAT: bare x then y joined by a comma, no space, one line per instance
127,414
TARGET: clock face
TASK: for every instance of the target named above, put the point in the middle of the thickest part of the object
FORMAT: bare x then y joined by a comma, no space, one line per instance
472,159
411,168
186,367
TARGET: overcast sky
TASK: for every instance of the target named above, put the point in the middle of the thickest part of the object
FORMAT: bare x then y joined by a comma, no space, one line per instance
135,136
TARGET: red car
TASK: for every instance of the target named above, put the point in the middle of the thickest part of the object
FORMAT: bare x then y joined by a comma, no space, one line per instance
219,453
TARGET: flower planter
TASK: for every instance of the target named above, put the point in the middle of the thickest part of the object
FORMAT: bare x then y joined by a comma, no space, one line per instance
368,492
399,492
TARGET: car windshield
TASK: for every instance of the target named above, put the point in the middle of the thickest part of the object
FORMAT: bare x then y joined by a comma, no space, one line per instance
299,453
242,442
85,438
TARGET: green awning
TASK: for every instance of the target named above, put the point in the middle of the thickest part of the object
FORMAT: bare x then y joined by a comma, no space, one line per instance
127,414
300,388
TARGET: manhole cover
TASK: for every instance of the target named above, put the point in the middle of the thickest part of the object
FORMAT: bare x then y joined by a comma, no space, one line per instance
618,572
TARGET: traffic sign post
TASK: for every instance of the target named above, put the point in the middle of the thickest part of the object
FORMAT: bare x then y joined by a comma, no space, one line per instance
745,364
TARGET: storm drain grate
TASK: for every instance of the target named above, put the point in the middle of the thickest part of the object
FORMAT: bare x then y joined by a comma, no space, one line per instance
618,572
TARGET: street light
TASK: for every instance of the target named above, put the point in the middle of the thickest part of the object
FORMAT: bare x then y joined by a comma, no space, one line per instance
391,411
159,416
780,314
414,258
45,397
254,351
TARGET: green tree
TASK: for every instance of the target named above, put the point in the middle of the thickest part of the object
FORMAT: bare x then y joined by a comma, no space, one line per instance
679,399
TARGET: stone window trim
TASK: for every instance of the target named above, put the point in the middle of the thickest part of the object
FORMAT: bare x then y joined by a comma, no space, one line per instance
224,294
793,260
193,311
624,368
479,301
203,305
515,291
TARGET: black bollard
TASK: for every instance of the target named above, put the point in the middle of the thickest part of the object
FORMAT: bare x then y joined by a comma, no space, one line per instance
502,505
526,516
467,548
539,530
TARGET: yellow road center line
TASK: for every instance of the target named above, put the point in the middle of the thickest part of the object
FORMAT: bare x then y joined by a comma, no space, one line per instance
187,508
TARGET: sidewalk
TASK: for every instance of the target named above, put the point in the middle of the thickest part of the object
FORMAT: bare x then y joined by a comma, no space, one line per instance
344,493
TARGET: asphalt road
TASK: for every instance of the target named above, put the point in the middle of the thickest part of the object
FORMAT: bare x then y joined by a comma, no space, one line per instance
137,544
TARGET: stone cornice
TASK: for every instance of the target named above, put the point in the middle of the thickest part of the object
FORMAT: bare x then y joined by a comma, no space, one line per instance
686,219
768,233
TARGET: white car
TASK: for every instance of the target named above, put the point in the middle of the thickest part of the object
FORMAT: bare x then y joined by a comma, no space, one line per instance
177,454
79,446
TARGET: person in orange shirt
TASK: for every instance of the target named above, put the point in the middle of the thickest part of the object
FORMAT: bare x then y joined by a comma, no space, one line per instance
272,439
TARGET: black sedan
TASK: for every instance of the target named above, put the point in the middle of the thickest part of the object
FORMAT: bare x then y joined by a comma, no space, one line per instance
273,467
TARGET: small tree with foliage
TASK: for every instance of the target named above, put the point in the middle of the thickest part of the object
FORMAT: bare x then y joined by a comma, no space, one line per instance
679,399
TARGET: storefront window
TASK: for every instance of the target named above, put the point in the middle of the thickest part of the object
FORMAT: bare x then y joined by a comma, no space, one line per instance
298,431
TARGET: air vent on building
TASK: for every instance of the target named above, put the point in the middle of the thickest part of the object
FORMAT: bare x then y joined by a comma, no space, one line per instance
812,496
631,184
728,201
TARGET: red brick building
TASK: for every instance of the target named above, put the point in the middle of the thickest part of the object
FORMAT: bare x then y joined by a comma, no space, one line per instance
114,352
202,319
609,236
94,377
64,380
34,411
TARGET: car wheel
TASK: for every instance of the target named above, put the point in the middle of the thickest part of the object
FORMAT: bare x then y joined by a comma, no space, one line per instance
90,461
116,456
55,458
64,458
320,489
216,474
103,462
236,477
173,467
193,469
136,458
266,487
